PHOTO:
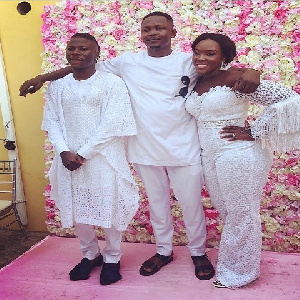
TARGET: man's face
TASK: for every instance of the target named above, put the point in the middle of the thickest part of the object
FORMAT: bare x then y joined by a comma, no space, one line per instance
81,53
156,33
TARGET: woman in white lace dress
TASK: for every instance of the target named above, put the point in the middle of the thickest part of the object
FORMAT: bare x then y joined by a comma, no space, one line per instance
87,116
237,158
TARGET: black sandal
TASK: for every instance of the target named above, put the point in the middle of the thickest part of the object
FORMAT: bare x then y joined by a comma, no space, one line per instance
204,270
154,264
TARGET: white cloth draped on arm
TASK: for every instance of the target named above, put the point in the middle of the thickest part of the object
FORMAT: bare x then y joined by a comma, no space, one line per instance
93,121
278,127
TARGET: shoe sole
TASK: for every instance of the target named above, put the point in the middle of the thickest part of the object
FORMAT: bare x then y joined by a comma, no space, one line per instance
206,277
110,282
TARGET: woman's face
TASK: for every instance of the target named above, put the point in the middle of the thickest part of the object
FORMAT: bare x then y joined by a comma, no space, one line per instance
207,58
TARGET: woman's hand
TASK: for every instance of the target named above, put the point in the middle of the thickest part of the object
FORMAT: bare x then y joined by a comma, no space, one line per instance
233,133
71,161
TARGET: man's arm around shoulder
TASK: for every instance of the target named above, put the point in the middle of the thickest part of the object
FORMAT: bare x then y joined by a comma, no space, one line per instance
34,84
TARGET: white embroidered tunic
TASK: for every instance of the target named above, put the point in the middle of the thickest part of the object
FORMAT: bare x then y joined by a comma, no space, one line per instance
92,118
236,171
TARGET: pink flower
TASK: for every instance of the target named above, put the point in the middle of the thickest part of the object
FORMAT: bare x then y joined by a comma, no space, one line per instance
149,228
280,13
296,36
293,179
204,193
186,46
268,188
212,214
48,147
296,51
211,227
117,19
50,203
146,4
111,53
291,162
243,51
270,63
238,65
51,216
297,89
242,28
275,77
243,3
118,34
116,5
48,188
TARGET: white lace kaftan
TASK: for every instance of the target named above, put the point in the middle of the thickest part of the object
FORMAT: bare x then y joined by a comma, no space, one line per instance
92,118
236,171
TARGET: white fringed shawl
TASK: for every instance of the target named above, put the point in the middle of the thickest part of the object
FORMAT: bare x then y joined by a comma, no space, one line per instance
278,127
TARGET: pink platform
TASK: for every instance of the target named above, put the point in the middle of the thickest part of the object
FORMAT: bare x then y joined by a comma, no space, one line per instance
42,273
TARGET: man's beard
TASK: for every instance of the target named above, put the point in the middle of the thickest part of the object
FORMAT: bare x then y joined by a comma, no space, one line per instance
155,47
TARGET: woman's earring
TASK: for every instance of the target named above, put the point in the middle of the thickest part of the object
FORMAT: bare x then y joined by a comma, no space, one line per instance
223,66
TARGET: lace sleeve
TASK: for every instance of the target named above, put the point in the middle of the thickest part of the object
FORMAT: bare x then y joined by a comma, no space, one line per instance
51,121
268,93
278,127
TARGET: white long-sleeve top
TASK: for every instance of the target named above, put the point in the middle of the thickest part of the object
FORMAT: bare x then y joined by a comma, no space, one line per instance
92,118
278,127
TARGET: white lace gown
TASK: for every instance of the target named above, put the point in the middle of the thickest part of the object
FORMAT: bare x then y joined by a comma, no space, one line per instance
236,171
91,117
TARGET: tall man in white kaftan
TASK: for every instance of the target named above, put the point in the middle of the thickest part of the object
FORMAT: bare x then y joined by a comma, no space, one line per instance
87,116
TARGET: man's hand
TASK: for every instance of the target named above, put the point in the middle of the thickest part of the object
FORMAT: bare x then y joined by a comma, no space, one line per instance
234,133
247,82
34,84
31,86
71,161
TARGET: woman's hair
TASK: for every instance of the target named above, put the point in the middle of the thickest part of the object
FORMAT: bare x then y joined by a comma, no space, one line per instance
86,36
226,44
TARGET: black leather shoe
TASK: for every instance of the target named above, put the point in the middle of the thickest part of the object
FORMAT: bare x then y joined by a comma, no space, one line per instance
110,273
82,270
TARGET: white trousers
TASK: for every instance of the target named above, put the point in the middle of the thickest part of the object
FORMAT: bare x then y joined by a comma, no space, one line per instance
187,183
89,243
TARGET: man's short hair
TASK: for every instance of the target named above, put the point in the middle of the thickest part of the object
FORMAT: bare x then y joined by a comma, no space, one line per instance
160,14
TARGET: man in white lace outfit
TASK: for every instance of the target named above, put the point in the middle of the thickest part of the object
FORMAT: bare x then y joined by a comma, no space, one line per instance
166,148
87,116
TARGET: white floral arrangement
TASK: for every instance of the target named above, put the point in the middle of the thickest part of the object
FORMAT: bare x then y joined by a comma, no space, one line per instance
267,36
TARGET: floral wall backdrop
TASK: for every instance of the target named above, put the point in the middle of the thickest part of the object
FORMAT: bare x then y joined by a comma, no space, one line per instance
267,36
